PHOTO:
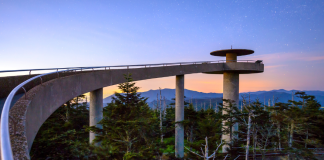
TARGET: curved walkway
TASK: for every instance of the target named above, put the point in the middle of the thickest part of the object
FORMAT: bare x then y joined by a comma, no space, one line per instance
30,112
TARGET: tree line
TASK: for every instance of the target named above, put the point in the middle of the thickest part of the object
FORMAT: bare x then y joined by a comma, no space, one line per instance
133,130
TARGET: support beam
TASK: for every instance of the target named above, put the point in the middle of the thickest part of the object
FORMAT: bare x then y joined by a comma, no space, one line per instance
95,111
231,92
179,116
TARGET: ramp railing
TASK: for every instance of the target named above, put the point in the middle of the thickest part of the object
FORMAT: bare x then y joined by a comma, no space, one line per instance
127,66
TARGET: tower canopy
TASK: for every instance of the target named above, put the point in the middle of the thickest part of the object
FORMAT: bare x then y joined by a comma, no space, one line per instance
239,52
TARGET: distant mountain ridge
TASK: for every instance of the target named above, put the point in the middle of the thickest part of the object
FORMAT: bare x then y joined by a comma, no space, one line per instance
170,93
281,95
309,92
263,96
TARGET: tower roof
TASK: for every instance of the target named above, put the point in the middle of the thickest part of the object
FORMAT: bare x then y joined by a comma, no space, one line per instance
239,52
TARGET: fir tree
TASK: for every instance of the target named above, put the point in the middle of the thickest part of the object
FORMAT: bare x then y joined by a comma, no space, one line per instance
130,127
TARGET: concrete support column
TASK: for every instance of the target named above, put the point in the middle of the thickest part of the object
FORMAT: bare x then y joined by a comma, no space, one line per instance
179,116
95,111
231,57
231,92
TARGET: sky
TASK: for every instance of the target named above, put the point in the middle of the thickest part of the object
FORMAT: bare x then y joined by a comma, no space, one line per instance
286,34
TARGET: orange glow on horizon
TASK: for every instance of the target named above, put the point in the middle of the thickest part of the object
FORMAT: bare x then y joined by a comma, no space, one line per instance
199,82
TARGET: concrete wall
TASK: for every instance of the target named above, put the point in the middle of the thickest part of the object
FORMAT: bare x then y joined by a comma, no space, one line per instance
239,67
44,99
7,84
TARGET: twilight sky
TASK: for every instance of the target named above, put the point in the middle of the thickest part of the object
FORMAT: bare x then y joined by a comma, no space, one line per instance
288,35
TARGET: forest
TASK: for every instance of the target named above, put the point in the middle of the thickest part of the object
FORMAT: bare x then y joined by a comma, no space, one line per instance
133,130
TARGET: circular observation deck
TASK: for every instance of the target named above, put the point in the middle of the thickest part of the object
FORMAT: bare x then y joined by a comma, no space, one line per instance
238,52
232,65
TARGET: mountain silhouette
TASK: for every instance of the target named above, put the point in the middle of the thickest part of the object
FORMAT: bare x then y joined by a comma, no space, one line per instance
280,95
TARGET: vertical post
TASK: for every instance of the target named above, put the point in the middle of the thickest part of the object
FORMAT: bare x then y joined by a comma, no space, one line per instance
95,111
231,92
179,116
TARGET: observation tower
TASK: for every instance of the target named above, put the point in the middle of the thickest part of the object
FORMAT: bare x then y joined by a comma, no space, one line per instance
231,76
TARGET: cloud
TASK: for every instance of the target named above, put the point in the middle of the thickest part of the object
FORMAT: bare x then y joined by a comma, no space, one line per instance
316,58
274,66
275,57
283,57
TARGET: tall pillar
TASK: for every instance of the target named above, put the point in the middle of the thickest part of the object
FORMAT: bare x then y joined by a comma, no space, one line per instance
231,81
231,92
95,111
179,116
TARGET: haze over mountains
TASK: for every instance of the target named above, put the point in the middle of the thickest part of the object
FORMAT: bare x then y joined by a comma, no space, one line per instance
281,95
200,97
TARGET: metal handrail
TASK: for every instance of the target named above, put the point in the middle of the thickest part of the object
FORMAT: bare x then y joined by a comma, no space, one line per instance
6,150
138,65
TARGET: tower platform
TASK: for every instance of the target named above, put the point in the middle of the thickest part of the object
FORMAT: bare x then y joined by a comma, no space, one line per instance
237,67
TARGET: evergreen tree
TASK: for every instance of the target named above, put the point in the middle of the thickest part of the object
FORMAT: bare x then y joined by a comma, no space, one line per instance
62,135
130,127
202,127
